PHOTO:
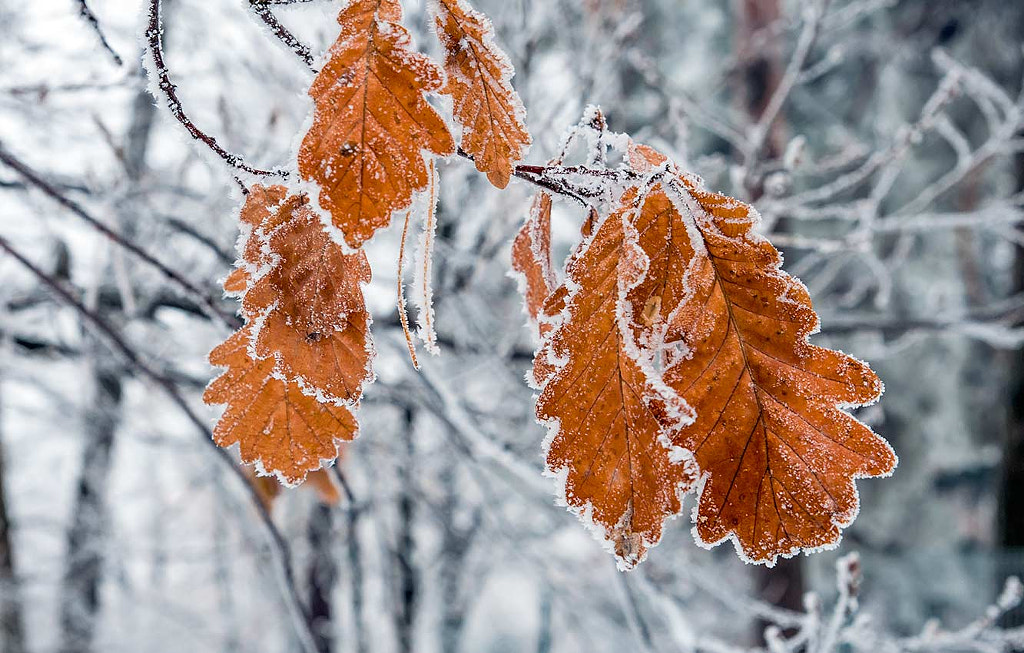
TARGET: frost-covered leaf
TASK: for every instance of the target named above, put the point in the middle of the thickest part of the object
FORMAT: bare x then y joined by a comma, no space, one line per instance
777,453
480,84
610,423
531,256
306,296
301,361
372,121
277,426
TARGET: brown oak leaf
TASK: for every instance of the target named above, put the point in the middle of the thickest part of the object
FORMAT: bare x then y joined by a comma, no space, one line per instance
307,299
609,421
277,426
372,121
778,456
531,256
480,84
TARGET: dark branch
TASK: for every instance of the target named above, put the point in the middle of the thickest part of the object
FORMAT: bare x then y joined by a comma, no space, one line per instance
86,13
154,41
201,297
278,543
301,50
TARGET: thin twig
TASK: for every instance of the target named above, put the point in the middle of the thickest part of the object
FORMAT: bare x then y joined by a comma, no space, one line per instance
203,298
154,43
279,545
263,12
86,13
531,174
343,482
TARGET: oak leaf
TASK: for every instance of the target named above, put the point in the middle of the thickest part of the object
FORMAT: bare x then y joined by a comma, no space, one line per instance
480,84
372,121
277,426
610,422
778,456
307,297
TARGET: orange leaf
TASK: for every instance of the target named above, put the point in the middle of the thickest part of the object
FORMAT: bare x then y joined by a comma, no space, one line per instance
531,256
334,364
610,424
268,489
236,283
282,430
326,489
308,301
777,453
480,83
372,121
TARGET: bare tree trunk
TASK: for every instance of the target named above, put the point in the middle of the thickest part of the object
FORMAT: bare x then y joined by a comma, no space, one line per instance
545,638
408,579
83,569
1011,517
12,632
323,576
455,546
80,595
355,567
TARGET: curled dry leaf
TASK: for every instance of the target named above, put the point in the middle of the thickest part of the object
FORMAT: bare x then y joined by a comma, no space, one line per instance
531,256
275,424
610,422
480,84
372,121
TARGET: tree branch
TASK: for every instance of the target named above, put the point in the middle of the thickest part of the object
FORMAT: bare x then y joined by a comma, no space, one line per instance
86,13
201,297
278,545
263,12
154,42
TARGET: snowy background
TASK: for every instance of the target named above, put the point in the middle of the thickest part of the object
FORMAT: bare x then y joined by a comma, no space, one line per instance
882,142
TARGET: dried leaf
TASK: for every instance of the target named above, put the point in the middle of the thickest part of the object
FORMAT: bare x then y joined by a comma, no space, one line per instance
372,121
610,422
480,83
308,301
778,455
531,256
282,430
236,283
268,489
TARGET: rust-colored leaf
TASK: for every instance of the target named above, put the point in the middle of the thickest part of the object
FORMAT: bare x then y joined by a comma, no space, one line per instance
236,283
277,427
610,422
531,256
333,364
268,489
308,300
777,453
372,121
480,83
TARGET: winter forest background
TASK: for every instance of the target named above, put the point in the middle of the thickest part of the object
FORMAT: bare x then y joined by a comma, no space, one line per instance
882,142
